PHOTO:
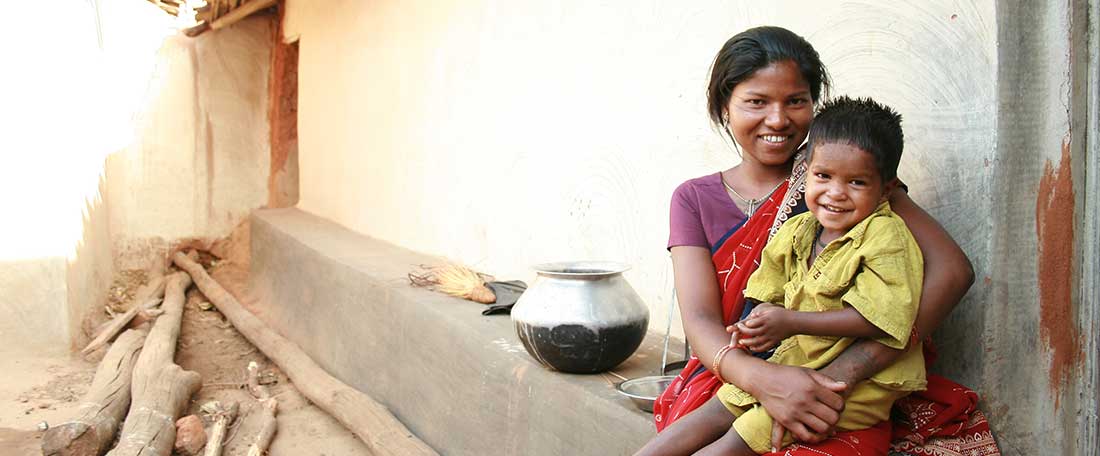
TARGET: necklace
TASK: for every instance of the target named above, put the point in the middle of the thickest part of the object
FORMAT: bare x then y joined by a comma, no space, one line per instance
817,243
817,238
752,203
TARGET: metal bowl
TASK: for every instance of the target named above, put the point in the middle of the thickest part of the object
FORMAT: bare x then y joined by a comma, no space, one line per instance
644,390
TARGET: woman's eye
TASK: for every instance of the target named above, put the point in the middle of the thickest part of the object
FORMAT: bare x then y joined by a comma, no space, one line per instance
799,101
756,102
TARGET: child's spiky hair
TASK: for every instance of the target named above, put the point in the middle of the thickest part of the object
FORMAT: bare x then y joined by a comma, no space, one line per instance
865,124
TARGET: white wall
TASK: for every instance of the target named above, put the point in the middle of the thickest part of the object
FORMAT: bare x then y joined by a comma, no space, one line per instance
504,134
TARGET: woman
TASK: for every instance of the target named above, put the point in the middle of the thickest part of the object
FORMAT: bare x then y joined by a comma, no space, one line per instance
763,88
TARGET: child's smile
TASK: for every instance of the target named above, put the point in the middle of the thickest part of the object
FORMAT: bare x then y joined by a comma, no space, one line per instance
843,187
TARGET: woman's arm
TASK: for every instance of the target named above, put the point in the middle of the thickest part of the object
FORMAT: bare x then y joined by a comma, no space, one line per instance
700,301
803,401
947,276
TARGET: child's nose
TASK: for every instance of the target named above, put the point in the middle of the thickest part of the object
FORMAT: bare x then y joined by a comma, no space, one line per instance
836,192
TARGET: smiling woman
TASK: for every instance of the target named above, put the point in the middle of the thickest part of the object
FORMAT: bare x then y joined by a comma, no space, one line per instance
763,88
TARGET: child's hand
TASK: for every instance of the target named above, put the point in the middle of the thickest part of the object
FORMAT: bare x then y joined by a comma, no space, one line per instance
765,327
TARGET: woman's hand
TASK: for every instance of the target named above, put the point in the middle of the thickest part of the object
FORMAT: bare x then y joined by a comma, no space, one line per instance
765,327
805,402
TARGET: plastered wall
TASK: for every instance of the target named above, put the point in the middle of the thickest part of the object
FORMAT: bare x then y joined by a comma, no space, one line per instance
503,134
201,156
124,137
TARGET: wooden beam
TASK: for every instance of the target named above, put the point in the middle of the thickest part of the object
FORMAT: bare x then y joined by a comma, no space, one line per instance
239,13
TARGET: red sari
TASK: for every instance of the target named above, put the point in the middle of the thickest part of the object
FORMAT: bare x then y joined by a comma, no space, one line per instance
735,260
920,416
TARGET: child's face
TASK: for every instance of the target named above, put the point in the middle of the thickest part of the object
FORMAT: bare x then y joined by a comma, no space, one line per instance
843,186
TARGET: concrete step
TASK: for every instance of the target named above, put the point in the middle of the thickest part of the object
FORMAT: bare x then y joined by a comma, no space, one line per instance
459,380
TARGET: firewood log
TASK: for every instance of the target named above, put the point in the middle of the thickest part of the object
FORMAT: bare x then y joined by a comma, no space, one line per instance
267,428
160,345
268,423
150,428
366,418
146,298
222,416
101,410
160,388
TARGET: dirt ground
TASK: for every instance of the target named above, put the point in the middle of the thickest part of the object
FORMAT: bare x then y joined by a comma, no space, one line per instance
36,389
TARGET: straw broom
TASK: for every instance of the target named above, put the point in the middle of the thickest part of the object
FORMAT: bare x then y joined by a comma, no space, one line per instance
455,280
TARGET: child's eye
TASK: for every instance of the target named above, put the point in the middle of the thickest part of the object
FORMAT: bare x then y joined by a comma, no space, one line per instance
858,183
821,175
799,101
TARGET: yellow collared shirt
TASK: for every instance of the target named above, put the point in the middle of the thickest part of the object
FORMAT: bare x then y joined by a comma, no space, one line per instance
876,267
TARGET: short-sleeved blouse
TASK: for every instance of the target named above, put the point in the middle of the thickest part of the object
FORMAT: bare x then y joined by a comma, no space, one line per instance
701,213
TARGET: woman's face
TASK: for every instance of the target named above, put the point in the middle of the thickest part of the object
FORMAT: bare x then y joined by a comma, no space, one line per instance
770,113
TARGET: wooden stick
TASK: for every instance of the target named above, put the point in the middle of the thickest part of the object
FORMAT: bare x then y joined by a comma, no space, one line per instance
146,298
366,418
223,416
93,429
260,392
196,30
268,423
150,428
242,12
267,428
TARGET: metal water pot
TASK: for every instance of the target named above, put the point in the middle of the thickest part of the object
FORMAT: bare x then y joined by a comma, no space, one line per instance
580,317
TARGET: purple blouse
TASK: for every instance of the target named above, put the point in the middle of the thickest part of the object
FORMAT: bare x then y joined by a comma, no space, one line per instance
701,212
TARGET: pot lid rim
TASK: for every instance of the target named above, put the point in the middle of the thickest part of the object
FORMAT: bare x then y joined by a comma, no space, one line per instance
581,268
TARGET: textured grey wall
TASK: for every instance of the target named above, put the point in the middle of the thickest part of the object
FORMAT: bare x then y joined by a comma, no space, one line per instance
1021,338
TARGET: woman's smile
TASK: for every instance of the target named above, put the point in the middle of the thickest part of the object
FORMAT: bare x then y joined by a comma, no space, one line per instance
770,113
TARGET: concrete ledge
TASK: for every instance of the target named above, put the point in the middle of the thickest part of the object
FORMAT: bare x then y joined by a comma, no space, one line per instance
459,380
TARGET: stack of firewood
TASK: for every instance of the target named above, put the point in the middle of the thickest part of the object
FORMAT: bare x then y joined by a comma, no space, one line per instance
139,387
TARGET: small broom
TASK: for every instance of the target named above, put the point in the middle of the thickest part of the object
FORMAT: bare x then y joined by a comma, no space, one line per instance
454,280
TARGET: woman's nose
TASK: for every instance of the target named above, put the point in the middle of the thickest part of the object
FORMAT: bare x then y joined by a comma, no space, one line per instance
777,118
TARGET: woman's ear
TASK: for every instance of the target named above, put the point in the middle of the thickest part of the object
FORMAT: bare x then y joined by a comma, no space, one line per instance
888,189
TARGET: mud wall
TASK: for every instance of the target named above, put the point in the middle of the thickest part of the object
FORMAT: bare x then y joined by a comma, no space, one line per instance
503,134
128,137
202,156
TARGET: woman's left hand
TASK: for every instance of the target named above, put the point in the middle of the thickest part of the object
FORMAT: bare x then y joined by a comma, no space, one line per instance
765,327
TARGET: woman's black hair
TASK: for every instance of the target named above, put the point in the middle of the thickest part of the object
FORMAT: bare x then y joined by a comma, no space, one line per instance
752,50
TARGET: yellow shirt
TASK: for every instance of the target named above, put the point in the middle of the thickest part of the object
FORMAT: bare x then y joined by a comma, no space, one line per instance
876,267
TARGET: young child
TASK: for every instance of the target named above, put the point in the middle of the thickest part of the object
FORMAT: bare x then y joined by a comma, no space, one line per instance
847,269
